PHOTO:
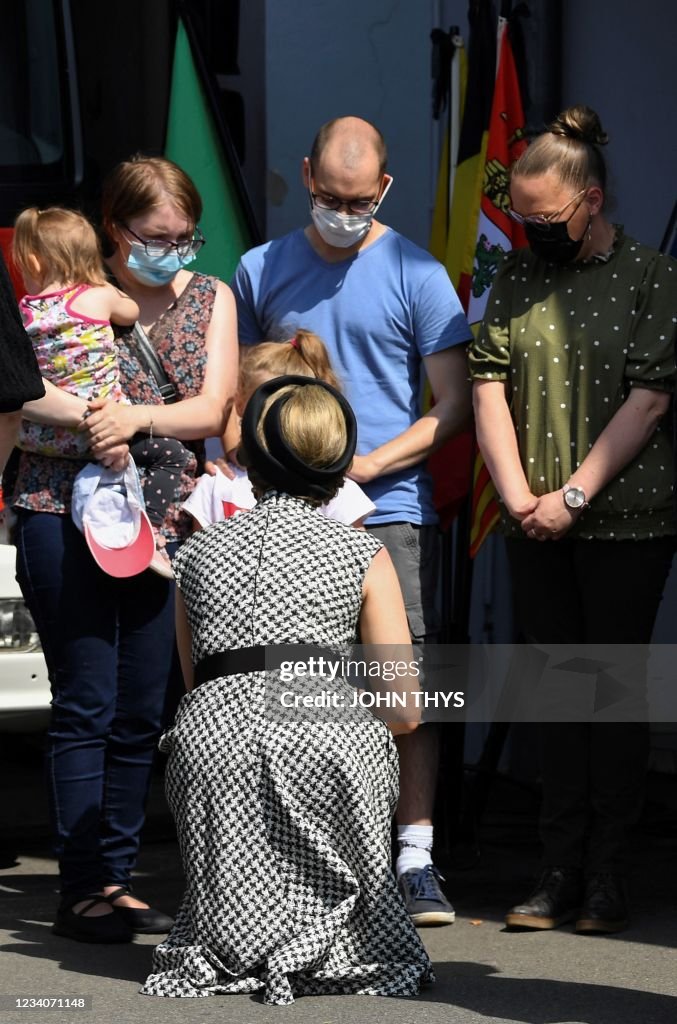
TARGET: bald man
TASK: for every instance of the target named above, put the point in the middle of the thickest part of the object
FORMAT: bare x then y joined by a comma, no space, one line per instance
387,312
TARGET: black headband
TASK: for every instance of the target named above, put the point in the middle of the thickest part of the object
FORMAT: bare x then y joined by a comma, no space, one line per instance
279,465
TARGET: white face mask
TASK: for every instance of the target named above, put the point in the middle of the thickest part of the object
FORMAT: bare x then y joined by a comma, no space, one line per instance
342,230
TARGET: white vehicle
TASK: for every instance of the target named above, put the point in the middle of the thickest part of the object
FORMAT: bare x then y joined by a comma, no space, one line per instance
24,686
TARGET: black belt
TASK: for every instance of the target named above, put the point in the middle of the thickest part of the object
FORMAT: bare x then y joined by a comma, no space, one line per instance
257,658
230,663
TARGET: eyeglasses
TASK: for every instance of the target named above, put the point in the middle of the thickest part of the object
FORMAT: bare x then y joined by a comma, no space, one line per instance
359,206
156,248
543,219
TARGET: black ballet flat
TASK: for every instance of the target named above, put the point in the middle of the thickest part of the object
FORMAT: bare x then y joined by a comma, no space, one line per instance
73,925
141,920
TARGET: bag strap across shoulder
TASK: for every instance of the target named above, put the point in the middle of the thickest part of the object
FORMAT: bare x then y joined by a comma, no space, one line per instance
149,357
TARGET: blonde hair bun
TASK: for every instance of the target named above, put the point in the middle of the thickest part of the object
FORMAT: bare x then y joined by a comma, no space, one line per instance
581,123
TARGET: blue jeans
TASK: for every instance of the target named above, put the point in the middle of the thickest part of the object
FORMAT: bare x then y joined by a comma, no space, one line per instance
108,645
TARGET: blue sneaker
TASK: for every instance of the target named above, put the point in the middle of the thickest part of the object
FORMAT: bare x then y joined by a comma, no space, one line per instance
425,902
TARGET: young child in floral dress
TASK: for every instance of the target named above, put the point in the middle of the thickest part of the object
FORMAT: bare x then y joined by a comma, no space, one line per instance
68,314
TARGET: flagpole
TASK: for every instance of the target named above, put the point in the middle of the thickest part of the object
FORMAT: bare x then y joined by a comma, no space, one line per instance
454,114
436,139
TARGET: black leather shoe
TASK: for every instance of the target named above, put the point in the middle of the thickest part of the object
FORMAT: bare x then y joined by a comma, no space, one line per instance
141,920
104,928
605,907
555,899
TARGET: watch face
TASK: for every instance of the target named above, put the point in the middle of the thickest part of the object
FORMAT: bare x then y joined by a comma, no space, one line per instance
574,497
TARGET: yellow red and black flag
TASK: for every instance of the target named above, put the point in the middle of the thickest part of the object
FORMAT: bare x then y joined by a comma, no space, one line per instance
496,234
471,227
472,147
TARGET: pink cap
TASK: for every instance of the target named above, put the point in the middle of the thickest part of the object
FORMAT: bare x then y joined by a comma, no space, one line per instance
125,561
109,509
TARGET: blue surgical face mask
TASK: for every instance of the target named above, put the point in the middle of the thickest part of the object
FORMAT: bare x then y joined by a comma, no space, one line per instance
155,270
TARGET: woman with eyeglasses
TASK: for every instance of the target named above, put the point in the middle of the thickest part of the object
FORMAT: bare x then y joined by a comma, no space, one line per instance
573,372
109,642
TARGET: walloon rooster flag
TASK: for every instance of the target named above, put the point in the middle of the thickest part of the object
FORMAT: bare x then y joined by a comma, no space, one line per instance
480,229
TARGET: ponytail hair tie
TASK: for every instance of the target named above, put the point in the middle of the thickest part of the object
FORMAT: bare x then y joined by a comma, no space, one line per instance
294,343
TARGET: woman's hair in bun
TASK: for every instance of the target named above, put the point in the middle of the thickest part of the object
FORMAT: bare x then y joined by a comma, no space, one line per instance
580,123
570,146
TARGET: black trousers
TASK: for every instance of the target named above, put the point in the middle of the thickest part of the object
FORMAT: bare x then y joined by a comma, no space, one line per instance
593,774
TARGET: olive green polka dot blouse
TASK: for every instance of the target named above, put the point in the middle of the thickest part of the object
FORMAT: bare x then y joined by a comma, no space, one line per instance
570,341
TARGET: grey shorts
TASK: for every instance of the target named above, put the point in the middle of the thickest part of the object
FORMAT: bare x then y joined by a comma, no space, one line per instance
415,551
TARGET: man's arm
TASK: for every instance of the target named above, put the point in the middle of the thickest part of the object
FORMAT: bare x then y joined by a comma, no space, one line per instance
448,375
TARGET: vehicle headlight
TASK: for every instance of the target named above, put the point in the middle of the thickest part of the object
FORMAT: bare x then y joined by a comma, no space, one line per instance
17,629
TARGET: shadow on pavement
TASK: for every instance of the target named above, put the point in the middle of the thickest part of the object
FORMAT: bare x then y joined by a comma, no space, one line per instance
478,987
124,962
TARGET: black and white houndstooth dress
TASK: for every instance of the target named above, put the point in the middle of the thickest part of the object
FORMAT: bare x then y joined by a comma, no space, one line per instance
284,828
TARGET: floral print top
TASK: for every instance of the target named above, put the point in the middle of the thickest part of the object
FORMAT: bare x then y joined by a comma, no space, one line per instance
75,352
45,484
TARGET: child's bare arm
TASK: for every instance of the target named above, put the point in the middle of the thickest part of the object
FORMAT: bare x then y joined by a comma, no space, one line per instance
105,302
123,310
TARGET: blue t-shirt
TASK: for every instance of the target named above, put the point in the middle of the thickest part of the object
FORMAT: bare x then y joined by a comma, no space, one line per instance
378,312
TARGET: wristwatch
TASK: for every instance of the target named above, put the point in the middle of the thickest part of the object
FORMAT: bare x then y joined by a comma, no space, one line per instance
574,497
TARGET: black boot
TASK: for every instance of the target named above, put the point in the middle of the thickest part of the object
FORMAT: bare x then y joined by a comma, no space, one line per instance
555,899
605,907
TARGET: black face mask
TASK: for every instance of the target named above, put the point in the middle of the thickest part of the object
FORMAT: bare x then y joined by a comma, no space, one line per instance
551,242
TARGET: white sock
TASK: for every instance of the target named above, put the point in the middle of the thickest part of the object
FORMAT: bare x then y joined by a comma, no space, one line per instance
415,843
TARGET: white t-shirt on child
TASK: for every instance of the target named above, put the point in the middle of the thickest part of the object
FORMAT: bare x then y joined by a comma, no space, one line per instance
216,498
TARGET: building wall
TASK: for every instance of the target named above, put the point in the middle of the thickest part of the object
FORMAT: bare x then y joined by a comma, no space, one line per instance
619,57
371,59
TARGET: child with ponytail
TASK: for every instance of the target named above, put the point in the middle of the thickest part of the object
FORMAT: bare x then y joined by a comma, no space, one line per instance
218,497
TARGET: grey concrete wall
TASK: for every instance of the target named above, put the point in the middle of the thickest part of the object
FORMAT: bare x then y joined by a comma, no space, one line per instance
619,57
372,58
364,57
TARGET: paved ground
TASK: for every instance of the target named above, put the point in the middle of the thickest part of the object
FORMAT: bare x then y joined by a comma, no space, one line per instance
484,974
